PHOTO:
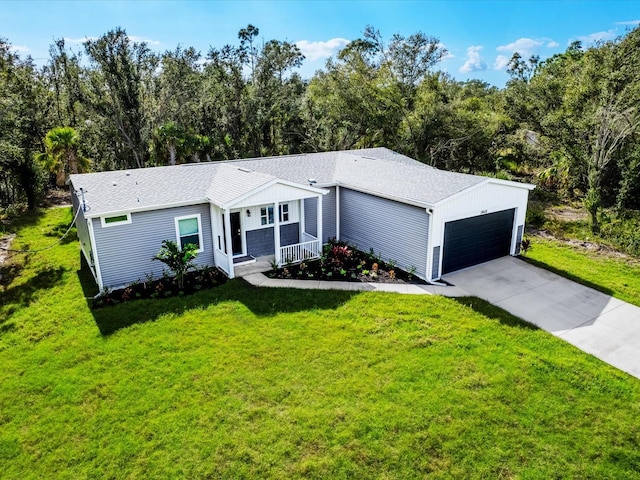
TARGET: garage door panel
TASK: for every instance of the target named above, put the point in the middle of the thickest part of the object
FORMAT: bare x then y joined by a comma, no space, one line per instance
477,239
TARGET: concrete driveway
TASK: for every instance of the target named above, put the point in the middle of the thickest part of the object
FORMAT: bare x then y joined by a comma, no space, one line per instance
597,323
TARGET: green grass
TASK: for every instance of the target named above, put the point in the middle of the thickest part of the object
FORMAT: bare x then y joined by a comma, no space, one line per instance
618,277
241,382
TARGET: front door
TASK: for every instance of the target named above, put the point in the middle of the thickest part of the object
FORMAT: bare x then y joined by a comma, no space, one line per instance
236,233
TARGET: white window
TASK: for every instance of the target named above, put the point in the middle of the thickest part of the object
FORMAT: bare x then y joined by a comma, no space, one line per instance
266,216
284,212
189,230
116,220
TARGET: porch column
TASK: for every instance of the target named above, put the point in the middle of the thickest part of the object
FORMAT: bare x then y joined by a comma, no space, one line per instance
227,238
302,225
337,212
276,230
319,221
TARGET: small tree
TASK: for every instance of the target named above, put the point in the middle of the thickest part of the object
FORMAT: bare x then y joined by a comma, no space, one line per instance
179,260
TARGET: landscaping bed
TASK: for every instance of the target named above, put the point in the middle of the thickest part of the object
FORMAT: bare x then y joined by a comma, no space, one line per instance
166,286
343,262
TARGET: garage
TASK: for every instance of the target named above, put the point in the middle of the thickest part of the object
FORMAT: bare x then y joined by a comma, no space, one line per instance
477,239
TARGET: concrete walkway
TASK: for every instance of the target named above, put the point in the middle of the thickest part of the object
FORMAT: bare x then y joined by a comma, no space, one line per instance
597,323
260,280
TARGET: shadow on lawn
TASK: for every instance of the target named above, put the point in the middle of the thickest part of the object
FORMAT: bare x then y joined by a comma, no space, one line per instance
261,301
491,311
21,295
565,274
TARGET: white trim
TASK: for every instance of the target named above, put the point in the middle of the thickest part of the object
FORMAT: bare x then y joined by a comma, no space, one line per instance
94,250
430,245
487,181
266,207
319,232
176,221
281,213
338,212
103,220
270,184
301,223
228,242
243,243
276,231
150,208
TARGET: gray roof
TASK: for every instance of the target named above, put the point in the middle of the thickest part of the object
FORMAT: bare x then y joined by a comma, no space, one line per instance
378,171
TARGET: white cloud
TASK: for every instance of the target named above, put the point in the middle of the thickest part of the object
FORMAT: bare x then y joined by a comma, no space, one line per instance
315,50
501,62
448,55
629,22
148,41
19,48
524,46
474,62
597,37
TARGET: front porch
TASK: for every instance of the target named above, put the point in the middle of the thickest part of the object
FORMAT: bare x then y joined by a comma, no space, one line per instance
267,225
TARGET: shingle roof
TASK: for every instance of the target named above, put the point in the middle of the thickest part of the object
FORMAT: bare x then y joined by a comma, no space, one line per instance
375,170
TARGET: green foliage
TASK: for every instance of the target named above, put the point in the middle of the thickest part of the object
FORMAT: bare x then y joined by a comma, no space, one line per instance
179,260
61,155
535,216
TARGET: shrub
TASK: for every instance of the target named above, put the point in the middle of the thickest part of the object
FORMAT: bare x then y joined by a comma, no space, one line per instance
179,260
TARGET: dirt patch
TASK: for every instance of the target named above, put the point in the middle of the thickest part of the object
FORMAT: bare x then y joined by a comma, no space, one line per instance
57,198
568,214
599,248
5,242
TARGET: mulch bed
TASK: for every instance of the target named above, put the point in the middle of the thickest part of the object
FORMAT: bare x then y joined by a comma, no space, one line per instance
163,287
342,262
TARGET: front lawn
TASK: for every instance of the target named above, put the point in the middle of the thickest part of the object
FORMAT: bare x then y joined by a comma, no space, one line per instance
244,382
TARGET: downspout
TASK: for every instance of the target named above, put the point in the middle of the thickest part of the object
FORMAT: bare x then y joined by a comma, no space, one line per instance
94,249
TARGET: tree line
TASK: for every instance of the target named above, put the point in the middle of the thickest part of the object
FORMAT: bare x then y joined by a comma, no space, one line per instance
569,123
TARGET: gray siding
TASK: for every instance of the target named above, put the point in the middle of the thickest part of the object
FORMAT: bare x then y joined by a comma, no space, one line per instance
82,230
260,241
289,234
435,268
125,251
394,230
310,216
328,215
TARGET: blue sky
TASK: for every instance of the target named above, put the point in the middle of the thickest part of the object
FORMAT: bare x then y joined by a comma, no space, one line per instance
480,35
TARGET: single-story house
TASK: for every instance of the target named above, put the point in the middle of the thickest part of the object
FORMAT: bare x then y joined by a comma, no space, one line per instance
424,219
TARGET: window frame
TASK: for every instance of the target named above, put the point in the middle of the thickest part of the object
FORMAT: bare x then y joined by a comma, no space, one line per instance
104,223
198,217
268,215
282,213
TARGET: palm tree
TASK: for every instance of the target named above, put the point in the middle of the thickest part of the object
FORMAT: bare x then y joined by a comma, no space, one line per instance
179,260
172,136
61,155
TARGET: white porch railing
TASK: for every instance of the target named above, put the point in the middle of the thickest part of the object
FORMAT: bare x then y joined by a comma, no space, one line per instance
299,252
